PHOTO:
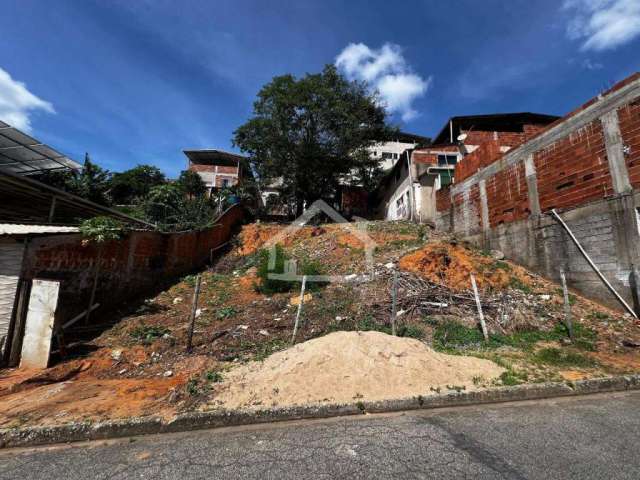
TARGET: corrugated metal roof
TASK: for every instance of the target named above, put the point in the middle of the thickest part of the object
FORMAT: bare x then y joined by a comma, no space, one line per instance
23,154
21,229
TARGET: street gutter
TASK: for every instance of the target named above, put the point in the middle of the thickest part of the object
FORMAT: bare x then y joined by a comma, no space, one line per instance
128,427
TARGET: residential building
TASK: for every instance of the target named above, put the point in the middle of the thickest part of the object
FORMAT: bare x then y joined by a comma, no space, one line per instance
408,191
389,152
217,168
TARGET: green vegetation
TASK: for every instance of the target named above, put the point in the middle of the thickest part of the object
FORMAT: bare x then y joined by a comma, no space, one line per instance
101,229
563,358
214,376
270,286
451,336
132,185
147,333
512,377
311,132
267,348
516,283
226,312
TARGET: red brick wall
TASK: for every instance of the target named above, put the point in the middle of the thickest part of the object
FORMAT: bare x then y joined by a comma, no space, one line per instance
140,263
507,195
443,199
629,118
212,168
424,157
574,170
487,153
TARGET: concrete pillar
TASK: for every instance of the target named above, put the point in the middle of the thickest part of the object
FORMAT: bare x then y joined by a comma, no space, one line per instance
466,214
615,152
532,185
484,205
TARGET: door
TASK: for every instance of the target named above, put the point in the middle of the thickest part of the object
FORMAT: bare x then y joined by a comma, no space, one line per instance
11,253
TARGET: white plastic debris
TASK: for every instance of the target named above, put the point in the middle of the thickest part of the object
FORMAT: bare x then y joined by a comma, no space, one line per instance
400,312
198,312
264,332
338,318
243,327
390,265
123,371
168,373
177,300
545,297
116,354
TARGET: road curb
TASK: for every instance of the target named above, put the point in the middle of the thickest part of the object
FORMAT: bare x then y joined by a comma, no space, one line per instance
76,432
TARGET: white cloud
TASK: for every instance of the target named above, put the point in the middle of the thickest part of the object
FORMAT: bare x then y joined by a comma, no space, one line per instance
386,71
603,24
17,103
590,65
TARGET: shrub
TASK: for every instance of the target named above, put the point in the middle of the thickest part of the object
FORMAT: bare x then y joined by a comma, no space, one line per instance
146,333
270,286
101,229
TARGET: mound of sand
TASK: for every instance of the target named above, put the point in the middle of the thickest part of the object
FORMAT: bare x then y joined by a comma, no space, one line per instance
346,367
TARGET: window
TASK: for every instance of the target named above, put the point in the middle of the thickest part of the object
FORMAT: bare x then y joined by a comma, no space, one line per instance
444,160
225,183
395,156
387,155
375,153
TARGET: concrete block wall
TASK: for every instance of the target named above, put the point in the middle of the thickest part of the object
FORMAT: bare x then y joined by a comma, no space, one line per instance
587,167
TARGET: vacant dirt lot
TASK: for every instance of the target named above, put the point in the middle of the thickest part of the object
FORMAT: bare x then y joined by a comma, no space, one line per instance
135,362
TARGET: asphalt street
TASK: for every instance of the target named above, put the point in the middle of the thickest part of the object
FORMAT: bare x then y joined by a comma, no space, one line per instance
594,437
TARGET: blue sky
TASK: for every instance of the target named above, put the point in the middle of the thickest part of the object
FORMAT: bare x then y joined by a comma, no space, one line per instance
138,81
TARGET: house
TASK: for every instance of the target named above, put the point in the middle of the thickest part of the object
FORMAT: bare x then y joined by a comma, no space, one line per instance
408,190
390,151
217,168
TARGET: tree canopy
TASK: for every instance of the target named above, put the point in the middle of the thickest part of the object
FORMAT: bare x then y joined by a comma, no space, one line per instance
91,182
312,132
191,183
135,183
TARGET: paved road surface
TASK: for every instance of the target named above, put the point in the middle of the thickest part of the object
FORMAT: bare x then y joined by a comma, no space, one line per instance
595,437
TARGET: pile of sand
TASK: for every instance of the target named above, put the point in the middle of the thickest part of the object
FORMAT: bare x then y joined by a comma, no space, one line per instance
347,367
451,264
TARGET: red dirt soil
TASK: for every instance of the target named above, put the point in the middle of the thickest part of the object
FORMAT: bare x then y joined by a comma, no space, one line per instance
451,264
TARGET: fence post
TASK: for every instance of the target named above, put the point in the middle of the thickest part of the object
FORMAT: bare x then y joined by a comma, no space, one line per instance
192,319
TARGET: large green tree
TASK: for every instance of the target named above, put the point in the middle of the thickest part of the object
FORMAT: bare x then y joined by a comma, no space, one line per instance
312,132
191,183
131,185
